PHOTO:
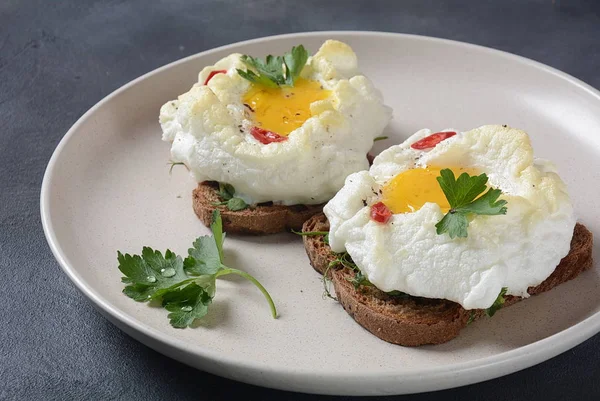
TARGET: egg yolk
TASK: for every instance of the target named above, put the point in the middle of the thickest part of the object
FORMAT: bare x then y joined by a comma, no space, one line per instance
410,190
282,110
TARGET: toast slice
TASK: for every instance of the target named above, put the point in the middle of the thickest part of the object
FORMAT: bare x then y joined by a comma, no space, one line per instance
264,218
414,321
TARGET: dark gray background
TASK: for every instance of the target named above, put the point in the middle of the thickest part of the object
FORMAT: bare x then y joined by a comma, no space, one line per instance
58,58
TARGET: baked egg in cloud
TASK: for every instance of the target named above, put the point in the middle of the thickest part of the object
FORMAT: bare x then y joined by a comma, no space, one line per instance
291,142
388,218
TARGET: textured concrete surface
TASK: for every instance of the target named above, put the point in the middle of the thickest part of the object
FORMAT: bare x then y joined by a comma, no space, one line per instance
57,59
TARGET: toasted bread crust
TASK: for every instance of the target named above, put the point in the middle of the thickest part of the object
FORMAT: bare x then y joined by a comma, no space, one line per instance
257,220
319,253
414,321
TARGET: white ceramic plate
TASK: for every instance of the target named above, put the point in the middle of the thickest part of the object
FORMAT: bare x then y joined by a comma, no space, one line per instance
108,188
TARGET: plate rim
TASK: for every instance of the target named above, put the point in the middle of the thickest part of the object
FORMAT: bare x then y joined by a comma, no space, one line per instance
439,377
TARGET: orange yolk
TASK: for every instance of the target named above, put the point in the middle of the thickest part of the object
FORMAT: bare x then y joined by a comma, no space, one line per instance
410,190
282,110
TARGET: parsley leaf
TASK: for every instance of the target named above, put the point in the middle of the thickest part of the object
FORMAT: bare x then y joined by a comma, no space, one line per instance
359,279
294,63
462,195
203,257
462,190
186,304
257,79
455,224
472,317
217,229
206,257
310,233
275,71
487,204
271,68
235,204
151,275
188,286
491,311
227,192
325,234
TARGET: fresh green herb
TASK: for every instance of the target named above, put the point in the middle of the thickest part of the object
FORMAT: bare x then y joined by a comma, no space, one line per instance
294,64
227,192
359,279
325,234
462,195
342,259
186,304
150,275
173,164
310,233
235,204
380,138
275,71
326,280
472,317
186,287
398,294
491,311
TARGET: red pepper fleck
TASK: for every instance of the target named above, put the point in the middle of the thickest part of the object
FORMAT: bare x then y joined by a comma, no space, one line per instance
432,140
213,73
266,137
380,212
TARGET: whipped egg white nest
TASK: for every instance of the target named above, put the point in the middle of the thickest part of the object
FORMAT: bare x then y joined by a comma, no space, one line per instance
516,250
329,120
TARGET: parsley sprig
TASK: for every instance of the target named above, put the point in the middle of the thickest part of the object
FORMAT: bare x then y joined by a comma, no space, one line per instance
491,311
498,303
227,192
324,234
185,287
341,259
275,71
462,195
359,279
345,260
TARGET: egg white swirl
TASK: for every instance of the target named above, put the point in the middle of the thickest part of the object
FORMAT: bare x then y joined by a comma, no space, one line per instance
516,250
209,128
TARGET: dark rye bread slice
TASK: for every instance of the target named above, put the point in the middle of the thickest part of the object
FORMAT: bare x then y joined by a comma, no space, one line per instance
414,321
264,218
